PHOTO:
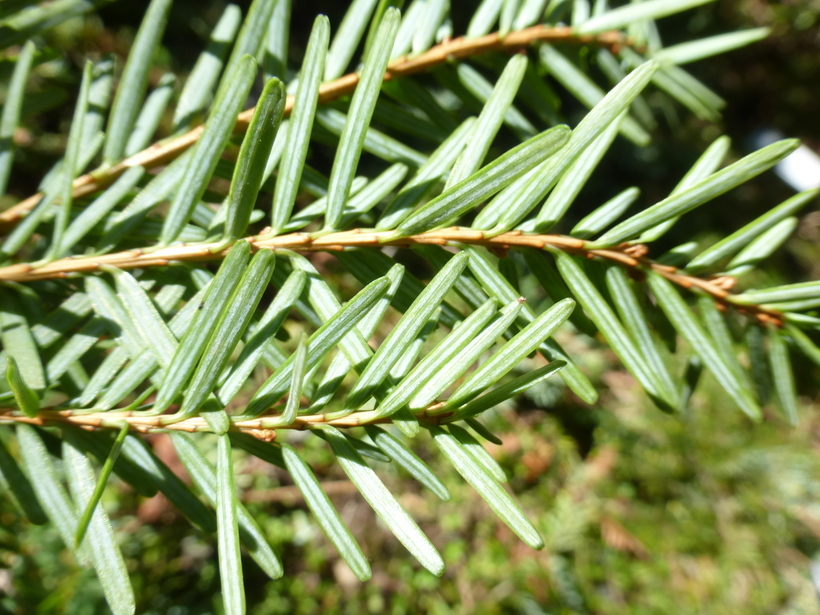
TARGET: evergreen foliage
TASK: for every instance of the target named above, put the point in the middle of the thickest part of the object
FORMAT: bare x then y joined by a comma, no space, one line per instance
145,288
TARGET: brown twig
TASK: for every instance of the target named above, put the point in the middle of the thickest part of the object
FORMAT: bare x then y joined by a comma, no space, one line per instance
630,256
164,151
263,427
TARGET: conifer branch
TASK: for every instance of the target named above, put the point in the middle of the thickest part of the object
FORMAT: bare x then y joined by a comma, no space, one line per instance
163,152
631,256
263,427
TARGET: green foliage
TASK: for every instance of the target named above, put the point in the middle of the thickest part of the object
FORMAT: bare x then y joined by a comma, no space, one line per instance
161,293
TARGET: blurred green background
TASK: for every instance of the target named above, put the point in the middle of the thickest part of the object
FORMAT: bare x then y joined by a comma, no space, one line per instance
641,512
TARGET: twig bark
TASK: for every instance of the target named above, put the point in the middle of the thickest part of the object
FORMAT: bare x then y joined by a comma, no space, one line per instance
630,256
263,427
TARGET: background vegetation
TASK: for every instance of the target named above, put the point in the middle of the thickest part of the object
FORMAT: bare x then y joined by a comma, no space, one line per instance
642,512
